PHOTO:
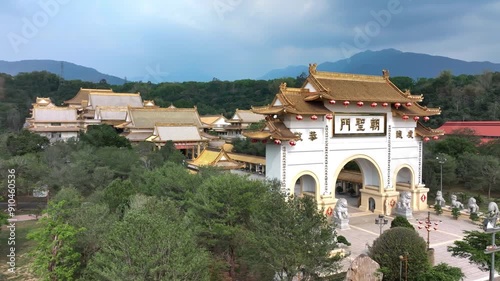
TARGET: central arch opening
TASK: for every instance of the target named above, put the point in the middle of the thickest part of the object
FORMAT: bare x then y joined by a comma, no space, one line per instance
349,182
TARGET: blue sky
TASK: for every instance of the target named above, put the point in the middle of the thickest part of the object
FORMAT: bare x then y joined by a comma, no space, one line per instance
235,39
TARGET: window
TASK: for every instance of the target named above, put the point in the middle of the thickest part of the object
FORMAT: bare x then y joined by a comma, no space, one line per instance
55,124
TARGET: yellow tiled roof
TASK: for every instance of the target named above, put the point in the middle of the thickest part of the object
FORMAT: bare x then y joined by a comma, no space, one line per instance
216,158
291,100
210,119
350,176
148,117
274,129
424,131
355,87
247,158
83,94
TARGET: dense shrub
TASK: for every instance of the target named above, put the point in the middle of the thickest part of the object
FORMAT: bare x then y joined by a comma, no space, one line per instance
400,221
438,209
455,212
394,243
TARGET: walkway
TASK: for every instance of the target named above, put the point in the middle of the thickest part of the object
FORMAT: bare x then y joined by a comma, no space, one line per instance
364,231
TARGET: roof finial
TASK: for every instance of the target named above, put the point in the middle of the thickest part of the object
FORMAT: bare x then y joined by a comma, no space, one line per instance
385,73
283,86
312,68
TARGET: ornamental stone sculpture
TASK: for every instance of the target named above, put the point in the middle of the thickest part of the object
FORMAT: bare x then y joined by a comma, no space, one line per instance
340,214
472,206
403,207
455,203
490,222
439,199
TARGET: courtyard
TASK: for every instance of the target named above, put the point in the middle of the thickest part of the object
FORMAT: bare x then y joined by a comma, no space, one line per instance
363,231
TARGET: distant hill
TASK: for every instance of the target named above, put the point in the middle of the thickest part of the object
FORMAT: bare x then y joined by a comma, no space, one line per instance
398,63
71,71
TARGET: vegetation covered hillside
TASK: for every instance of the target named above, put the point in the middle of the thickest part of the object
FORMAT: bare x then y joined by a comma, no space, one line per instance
464,97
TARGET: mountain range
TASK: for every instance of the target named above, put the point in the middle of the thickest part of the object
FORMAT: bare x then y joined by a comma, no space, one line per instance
68,70
399,63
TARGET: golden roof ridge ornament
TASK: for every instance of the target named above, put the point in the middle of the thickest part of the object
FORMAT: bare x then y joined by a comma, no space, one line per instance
312,68
283,86
385,73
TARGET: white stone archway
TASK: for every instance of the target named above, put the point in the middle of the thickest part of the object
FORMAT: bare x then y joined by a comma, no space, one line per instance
306,183
405,180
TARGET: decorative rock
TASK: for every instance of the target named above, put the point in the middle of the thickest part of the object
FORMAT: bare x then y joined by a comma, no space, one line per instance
340,214
403,207
363,268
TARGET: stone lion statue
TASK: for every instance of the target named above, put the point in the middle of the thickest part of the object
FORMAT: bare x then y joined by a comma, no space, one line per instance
439,199
491,219
472,205
455,203
404,202
340,211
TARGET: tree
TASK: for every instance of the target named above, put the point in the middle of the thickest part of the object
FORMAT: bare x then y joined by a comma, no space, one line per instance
395,242
171,181
290,238
26,142
442,272
246,146
472,247
103,135
117,194
403,82
96,220
400,221
167,248
222,208
55,256
479,172
455,146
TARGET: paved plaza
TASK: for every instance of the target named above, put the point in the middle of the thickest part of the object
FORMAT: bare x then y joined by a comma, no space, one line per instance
363,231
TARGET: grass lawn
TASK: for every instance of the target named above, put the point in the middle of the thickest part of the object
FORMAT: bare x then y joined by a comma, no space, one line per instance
23,246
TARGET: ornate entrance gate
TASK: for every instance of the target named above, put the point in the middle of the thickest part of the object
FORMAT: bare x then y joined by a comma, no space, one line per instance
314,131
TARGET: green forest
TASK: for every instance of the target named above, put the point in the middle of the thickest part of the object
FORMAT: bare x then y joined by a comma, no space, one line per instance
464,97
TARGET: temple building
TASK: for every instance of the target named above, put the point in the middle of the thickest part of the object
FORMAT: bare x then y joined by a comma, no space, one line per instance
240,122
159,125
226,159
216,124
186,137
57,123
312,132
485,130
82,97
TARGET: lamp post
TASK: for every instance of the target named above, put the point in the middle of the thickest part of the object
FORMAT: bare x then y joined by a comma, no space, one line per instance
441,160
381,221
429,226
490,226
403,258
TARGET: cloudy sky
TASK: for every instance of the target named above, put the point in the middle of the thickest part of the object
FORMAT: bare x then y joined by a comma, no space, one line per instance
234,39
